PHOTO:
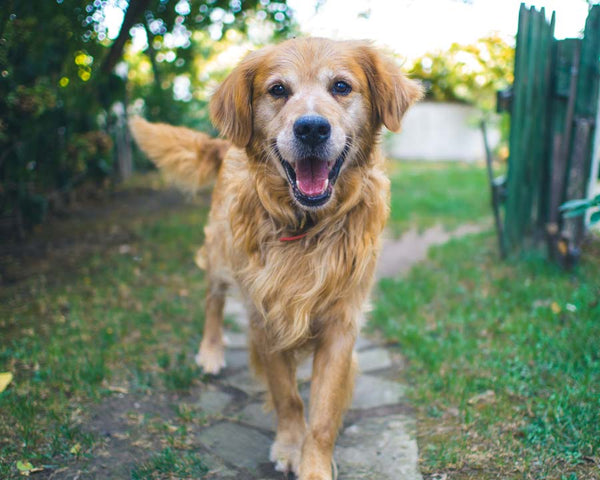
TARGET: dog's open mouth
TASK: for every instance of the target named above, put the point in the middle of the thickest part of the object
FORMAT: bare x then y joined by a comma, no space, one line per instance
312,178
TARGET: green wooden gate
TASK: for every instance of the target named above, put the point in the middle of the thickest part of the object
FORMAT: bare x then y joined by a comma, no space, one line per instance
554,111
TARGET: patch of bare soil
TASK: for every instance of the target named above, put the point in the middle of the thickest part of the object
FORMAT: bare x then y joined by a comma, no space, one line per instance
90,227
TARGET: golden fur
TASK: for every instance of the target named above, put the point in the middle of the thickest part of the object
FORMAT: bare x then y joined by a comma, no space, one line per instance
308,294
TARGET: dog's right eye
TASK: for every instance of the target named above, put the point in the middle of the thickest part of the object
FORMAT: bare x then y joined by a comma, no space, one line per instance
278,90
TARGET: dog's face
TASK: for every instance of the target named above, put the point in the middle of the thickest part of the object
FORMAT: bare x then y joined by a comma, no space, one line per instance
313,107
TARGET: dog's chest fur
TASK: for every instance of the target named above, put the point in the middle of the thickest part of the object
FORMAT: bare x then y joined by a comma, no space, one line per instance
322,277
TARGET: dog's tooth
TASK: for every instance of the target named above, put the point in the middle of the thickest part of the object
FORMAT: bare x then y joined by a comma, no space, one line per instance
326,183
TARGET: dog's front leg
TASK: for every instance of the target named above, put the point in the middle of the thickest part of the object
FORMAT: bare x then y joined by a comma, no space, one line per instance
280,372
330,394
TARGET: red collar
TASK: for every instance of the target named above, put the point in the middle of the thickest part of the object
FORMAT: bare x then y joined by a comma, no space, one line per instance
295,237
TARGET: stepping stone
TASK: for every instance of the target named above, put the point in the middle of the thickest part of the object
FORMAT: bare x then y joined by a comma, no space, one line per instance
363,343
217,469
213,402
245,382
374,359
304,371
236,309
382,448
241,446
255,415
235,340
236,358
371,392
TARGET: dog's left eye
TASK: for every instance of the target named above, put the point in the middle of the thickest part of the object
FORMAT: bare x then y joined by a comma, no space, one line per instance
278,90
341,88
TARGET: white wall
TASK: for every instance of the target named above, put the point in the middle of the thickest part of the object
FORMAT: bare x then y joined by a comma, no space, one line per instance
440,131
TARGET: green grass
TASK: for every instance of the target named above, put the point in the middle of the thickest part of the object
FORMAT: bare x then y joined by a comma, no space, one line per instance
426,194
504,358
525,332
170,464
123,317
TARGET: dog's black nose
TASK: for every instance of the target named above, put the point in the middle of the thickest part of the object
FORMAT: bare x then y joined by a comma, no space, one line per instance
312,130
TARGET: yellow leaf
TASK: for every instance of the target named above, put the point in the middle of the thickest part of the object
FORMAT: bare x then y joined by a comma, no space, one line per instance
5,379
75,449
555,308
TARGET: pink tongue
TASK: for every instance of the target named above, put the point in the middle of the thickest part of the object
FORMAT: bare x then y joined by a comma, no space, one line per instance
311,175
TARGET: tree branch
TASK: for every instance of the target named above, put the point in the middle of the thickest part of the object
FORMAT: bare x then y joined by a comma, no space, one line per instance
132,16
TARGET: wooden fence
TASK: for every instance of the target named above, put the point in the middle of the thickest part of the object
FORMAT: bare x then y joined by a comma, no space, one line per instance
554,112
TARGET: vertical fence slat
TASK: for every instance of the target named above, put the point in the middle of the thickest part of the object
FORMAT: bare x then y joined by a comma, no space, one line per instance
566,74
514,176
549,56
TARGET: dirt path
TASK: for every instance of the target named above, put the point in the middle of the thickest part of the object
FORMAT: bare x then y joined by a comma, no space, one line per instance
399,255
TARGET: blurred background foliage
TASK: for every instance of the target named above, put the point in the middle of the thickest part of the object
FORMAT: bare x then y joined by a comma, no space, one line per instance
66,77
469,74
72,70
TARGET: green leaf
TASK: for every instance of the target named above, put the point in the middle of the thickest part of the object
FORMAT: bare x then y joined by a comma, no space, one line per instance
595,218
24,466
571,204
575,213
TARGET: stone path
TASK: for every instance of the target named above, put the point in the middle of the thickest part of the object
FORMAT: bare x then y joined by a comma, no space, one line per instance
377,440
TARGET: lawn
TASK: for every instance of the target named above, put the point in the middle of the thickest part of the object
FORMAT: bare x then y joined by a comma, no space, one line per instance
115,306
425,194
503,358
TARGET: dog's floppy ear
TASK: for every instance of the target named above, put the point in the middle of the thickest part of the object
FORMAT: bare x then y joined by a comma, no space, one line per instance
231,104
391,91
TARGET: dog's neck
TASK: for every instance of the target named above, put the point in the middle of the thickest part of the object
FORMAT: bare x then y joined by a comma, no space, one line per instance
299,230
290,221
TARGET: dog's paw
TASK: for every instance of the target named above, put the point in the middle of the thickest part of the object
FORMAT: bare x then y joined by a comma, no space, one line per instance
286,457
211,359
315,473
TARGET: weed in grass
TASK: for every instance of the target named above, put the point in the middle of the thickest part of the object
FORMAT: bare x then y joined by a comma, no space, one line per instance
170,464
182,375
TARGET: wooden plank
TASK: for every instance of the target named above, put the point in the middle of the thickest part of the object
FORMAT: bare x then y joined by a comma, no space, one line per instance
574,227
545,125
564,107
513,228
529,170
585,114
587,98
523,185
593,188
589,101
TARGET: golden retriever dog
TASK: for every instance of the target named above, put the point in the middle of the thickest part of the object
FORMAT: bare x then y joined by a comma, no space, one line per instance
297,210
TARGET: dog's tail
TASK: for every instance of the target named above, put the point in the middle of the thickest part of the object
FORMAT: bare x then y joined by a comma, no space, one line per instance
189,158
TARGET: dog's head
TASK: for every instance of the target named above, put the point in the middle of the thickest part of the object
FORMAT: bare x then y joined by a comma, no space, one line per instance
313,107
